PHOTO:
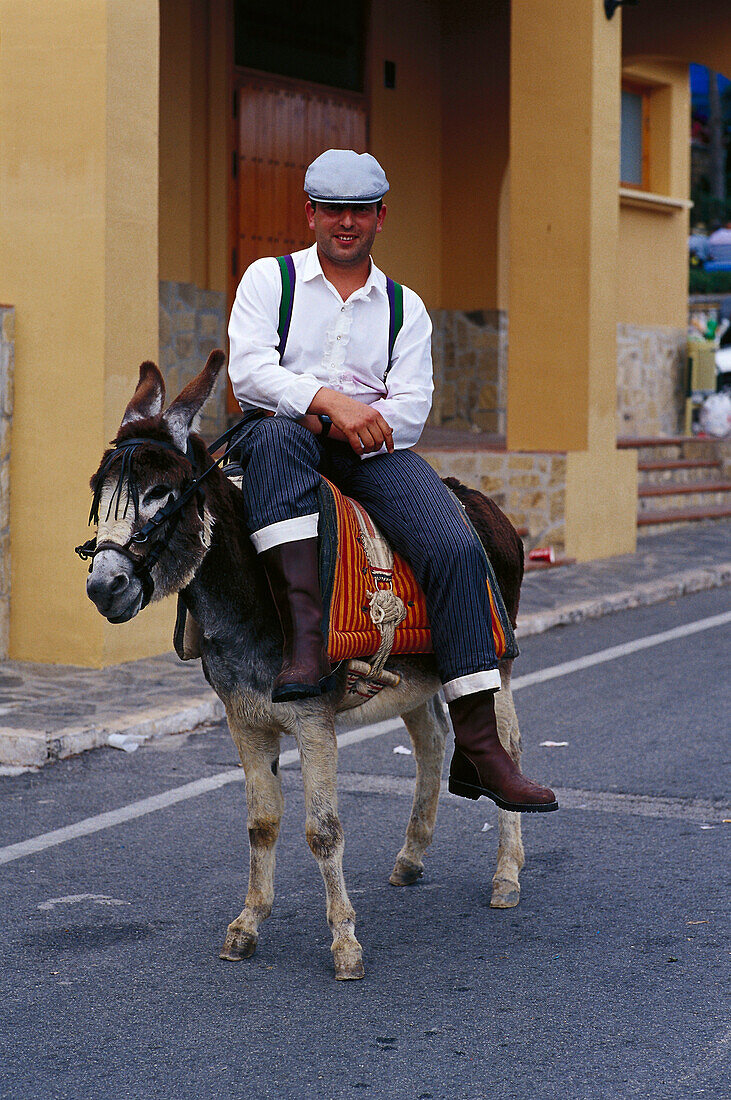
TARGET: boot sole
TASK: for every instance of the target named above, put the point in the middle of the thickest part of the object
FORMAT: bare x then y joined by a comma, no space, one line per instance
289,693
468,790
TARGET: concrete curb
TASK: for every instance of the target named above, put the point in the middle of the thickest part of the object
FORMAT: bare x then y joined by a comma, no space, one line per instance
34,748
20,749
641,595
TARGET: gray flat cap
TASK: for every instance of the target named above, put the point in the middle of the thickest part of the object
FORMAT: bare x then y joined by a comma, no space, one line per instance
341,175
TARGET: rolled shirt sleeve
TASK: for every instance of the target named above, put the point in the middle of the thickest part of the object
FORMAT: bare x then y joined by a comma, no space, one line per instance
258,378
410,382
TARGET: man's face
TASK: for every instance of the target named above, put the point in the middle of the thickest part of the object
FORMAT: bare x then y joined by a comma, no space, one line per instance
345,234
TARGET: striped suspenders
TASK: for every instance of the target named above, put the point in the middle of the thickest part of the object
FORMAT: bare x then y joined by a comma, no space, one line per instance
395,316
286,270
394,291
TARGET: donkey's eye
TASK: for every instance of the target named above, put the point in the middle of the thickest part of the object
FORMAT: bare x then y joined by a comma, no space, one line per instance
158,492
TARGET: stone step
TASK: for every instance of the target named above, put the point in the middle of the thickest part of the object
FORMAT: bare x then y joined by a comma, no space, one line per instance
693,487
682,471
655,522
668,498
672,448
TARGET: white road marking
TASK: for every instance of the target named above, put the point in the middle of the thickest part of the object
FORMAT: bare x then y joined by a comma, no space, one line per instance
168,798
202,786
616,651
696,811
75,899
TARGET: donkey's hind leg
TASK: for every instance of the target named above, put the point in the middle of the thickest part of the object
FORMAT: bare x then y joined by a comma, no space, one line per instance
319,755
510,856
259,752
428,730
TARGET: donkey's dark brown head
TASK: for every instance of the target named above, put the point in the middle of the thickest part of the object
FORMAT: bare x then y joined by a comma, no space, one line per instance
150,464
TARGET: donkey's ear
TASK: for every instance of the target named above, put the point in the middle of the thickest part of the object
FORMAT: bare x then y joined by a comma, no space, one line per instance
179,416
149,397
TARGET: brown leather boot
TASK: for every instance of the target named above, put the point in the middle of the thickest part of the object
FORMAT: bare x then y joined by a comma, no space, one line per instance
292,572
481,765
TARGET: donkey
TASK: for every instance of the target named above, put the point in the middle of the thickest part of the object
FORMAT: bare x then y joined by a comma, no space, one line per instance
203,552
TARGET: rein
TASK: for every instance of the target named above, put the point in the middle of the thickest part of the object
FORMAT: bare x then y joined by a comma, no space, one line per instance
169,515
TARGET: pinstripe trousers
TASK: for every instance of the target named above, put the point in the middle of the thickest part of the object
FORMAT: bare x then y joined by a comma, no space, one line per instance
282,463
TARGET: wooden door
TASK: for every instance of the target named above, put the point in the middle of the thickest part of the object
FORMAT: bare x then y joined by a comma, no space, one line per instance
280,127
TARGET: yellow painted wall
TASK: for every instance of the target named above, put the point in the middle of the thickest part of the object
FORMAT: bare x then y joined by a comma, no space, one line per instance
442,229
652,264
600,503
442,135
503,245
194,159
78,260
652,268
660,38
564,152
219,107
405,135
675,29
80,187
475,148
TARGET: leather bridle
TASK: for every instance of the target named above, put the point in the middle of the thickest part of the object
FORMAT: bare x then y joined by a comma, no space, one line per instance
166,517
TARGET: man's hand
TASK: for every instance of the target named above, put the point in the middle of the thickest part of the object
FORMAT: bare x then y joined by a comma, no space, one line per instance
363,427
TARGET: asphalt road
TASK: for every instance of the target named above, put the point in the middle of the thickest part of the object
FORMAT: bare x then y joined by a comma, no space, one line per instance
607,981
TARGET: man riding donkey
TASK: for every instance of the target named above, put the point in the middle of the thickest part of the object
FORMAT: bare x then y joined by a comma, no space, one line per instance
329,390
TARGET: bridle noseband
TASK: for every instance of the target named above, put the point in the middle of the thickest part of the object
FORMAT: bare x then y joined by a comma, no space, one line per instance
167,516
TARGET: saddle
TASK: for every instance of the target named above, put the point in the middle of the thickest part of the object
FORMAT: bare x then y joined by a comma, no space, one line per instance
373,607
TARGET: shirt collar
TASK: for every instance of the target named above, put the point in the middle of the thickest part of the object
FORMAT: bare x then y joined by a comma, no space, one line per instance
312,268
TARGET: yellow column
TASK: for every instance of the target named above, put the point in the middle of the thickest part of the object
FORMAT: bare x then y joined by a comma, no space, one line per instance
78,260
564,168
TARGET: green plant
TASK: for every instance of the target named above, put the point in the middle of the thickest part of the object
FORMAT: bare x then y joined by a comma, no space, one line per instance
709,282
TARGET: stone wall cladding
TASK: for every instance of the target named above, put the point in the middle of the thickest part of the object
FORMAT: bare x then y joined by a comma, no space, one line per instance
192,324
530,488
470,353
7,363
651,374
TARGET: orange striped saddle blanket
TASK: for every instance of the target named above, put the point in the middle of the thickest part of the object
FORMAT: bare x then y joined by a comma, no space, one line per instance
358,585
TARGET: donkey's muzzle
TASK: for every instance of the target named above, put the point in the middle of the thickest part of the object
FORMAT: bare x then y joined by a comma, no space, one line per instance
113,587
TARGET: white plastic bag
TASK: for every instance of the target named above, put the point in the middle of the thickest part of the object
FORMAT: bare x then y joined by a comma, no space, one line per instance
715,415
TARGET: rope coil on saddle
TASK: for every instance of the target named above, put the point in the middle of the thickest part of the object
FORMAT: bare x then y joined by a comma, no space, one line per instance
386,609
387,612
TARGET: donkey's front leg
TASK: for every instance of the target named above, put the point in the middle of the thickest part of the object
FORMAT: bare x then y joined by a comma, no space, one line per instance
319,755
259,752
428,731
510,856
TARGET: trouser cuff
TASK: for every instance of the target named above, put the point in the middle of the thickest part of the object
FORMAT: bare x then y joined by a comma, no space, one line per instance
287,530
475,681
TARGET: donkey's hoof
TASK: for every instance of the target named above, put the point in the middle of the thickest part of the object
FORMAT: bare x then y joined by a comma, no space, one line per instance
348,959
238,945
505,894
406,873
350,973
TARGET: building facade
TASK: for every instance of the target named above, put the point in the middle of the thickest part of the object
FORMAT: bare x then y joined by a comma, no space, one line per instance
149,150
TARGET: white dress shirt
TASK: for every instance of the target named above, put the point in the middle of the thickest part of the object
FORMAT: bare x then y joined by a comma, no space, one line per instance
339,344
